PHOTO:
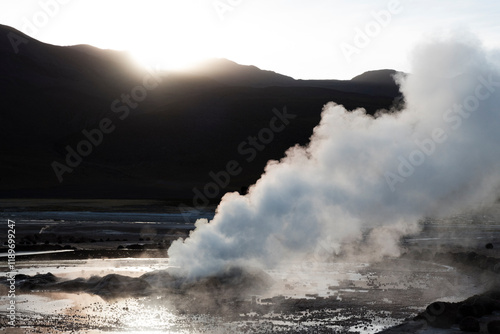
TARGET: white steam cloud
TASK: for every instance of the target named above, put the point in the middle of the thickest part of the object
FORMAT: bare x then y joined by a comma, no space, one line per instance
361,174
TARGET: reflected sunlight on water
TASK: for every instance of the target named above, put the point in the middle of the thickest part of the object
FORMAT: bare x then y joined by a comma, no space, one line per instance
148,319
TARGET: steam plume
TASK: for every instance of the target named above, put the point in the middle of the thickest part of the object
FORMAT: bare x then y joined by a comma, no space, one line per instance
438,156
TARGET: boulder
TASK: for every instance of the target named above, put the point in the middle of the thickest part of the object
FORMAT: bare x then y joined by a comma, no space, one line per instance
494,327
470,325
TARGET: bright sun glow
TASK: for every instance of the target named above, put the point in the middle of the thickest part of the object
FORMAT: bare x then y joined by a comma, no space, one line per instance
166,40
166,60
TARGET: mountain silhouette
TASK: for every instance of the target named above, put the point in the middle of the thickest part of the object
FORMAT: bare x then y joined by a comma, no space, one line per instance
183,129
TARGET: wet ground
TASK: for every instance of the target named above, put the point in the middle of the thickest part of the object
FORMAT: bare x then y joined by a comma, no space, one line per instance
304,297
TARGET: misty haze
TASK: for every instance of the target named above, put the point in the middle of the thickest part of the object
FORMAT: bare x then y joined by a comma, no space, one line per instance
249,167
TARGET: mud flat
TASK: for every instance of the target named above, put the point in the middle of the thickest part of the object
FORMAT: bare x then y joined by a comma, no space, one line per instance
98,288
131,295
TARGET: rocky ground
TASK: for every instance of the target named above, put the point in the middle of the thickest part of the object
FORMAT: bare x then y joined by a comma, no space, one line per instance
445,281
369,299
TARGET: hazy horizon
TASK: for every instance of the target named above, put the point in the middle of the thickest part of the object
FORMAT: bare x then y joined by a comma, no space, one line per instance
201,62
313,40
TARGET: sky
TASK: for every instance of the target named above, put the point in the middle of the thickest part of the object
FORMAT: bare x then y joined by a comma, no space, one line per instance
305,39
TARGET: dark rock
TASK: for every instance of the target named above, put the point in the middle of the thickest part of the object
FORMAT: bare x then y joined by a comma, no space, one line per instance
465,313
135,246
440,314
494,327
495,295
111,286
483,304
26,282
118,286
480,309
469,324
466,310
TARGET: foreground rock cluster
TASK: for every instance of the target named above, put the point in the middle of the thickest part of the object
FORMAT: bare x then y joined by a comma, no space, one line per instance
471,315
232,283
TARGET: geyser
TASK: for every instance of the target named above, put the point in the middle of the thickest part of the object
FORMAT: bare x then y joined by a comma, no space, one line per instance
363,182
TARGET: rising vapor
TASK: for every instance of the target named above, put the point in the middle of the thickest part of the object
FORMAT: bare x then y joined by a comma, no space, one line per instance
363,182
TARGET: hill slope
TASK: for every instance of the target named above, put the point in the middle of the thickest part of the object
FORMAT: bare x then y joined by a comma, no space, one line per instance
170,131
